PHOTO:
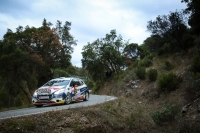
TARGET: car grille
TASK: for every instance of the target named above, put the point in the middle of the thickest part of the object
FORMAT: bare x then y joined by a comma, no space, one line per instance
44,97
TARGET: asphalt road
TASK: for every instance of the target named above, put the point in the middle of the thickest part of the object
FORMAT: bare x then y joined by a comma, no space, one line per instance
93,100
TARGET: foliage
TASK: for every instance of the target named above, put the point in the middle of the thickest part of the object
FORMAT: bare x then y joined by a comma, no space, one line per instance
165,49
3,98
104,55
166,115
130,75
131,52
167,82
195,64
60,73
194,90
141,72
29,56
187,41
143,51
168,66
196,86
170,27
152,74
154,43
145,62
193,9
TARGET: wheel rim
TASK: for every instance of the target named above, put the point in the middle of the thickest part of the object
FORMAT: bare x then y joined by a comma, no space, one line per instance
68,99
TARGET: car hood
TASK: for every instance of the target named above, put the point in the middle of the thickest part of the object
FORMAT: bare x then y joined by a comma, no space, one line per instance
51,88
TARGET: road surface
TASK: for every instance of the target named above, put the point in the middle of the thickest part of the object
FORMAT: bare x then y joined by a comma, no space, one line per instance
93,99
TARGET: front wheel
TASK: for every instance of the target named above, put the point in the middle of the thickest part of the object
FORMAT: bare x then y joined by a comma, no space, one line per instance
68,99
38,105
86,97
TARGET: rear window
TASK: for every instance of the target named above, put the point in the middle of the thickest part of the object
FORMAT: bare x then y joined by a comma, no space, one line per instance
57,83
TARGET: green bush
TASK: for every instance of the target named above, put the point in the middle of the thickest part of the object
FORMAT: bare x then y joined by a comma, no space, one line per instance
187,42
129,76
152,74
195,65
145,62
167,82
166,115
168,66
141,72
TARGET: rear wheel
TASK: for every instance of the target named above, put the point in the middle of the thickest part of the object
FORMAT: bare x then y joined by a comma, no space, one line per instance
86,97
68,99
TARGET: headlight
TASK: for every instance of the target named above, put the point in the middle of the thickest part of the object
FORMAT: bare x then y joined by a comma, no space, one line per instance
35,93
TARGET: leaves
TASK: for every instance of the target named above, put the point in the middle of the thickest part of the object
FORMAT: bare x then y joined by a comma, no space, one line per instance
29,55
104,55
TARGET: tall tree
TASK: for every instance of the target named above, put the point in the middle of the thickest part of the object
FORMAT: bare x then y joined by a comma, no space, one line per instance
104,55
130,53
154,43
29,56
171,27
193,8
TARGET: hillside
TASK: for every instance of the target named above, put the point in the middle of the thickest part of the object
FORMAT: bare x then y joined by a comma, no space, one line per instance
131,112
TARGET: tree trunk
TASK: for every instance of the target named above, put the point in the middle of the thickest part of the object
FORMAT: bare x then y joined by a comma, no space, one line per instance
25,89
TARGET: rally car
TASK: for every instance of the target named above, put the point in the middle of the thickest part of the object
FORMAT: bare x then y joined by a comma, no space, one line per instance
61,90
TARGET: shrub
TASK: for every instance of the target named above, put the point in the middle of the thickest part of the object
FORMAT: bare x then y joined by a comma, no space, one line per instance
129,76
195,65
166,115
152,74
167,82
141,72
145,62
18,101
168,66
187,42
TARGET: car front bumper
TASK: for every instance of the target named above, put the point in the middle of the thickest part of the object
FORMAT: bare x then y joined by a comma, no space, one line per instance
53,101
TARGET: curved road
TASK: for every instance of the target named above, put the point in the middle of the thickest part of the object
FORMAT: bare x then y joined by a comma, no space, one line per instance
93,99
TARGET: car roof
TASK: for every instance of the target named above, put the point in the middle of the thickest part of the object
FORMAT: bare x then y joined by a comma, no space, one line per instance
65,78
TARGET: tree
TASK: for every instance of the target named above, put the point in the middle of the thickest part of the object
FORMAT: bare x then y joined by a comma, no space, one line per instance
193,8
130,53
170,27
67,41
154,43
29,56
143,51
104,55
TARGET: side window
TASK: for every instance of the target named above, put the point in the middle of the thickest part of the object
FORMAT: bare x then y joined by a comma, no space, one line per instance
72,83
81,82
75,82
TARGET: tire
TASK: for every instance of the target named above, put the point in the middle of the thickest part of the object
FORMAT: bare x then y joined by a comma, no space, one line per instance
38,106
68,99
86,96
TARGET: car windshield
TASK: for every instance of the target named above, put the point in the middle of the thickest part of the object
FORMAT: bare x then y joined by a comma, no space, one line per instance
57,83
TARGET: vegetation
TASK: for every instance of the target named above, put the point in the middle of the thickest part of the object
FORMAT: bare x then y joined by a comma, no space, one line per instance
141,72
110,66
167,82
152,74
168,114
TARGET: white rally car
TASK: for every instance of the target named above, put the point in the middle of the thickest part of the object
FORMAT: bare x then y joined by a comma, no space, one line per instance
61,91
